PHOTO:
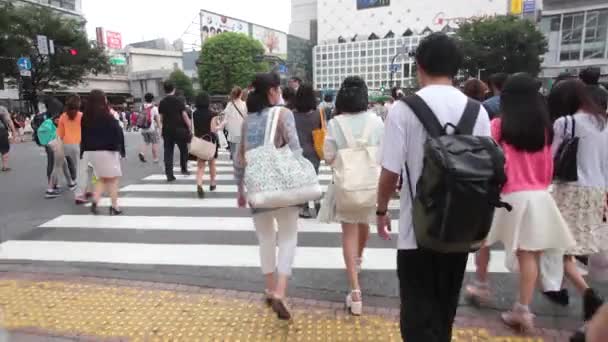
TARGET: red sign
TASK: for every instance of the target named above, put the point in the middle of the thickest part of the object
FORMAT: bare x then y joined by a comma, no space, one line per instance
114,40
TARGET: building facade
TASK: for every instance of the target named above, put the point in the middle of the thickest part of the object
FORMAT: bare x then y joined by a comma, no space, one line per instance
304,19
577,36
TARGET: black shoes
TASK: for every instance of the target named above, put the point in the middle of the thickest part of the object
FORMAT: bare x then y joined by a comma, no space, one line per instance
115,212
94,208
212,187
560,297
142,158
171,179
591,303
200,191
186,173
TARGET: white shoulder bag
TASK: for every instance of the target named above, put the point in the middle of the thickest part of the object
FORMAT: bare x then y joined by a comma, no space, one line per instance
278,177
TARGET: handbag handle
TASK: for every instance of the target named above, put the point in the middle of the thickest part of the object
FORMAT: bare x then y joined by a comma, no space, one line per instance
271,125
322,115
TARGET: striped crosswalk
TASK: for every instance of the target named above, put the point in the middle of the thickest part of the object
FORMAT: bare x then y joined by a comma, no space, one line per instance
166,224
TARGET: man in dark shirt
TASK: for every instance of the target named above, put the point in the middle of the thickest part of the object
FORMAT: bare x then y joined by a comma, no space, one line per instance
591,77
175,130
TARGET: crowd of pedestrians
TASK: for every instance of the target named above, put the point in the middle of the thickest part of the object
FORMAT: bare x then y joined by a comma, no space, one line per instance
544,158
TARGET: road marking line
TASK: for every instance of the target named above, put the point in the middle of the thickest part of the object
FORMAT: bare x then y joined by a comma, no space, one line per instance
160,177
177,223
230,169
164,202
379,259
151,187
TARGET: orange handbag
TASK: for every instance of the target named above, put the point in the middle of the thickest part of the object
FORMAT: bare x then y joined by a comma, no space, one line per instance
318,135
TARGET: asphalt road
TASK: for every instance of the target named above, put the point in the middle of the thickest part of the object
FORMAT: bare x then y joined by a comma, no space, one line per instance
169,235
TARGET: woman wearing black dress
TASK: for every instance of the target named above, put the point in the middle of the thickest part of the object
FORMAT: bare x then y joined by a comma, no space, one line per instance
205,126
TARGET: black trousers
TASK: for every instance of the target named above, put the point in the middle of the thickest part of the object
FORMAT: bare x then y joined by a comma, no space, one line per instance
169,142
429,285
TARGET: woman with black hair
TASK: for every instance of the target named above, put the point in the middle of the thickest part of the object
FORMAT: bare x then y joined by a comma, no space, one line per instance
308,119
366,128
535,225
583,202
266,94
206,125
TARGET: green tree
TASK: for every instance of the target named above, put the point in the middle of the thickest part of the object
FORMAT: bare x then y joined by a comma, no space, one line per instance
502,44
182,83
227,60
19,26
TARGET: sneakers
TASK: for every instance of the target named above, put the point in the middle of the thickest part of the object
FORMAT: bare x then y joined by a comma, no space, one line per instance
591,302
52,193
142,157
478,293
519,317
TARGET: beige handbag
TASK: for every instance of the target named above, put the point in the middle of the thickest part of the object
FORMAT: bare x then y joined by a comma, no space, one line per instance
202,149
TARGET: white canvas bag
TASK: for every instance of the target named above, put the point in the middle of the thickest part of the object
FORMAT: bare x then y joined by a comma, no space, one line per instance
356,171
278,177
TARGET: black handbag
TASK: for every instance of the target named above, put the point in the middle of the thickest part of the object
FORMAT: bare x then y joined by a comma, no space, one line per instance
565,166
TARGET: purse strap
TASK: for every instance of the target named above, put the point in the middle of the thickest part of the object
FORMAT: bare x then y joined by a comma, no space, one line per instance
271,125
322,115
237,109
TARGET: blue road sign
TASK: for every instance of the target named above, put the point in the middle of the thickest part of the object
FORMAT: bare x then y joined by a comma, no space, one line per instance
24,63
395,67
529,6
283,69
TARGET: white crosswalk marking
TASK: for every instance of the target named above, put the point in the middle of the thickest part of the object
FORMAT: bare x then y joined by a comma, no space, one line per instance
186,237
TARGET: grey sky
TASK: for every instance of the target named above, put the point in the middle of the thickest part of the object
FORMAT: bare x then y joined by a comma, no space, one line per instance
140,20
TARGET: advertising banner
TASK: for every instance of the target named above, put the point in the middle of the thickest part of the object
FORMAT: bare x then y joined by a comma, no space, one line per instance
274,42
365,4
113,40
213,24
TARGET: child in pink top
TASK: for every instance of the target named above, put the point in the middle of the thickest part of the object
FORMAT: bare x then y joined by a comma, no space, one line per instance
535,224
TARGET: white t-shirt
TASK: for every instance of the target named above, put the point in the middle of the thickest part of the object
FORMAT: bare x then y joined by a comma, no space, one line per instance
155,114
404,139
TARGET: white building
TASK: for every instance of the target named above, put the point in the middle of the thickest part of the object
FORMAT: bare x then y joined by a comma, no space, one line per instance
304,19
577,34
148,68
355,39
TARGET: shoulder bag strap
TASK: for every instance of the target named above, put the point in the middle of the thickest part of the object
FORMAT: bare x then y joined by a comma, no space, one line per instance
322,116
237,109
273,120
573,127
346,131
425,114
466,125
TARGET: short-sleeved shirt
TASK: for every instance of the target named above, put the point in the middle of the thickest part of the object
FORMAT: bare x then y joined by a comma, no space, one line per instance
154,114
171,109
404,139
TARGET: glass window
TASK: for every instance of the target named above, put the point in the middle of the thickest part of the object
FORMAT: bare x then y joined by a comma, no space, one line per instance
349,54
363,53
595,34
356,54
384,52
572,36
342,55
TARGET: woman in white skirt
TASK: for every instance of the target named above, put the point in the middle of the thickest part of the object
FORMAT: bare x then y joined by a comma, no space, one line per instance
534,225
357,122
103,145
582,203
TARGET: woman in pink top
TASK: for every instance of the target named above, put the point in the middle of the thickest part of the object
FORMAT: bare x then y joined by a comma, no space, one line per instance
535,224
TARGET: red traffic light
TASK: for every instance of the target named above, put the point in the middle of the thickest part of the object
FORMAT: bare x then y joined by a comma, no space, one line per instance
73,52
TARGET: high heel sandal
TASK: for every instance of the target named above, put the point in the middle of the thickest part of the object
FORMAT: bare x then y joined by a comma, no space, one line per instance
115,212
354,307
281,309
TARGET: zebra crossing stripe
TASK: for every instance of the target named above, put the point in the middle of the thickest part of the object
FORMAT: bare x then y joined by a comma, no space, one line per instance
230,169
376,259
175,188
222,177
163,202
177,223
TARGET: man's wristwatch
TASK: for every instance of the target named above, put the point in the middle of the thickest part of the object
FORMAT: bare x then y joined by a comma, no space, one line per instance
381,212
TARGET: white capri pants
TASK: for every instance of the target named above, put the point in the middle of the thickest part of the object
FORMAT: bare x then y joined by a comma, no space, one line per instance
285,236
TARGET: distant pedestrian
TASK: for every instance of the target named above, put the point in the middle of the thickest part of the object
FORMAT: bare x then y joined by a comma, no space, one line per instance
149,124
429,280
350,148
267,94
6,125
475,89
496,83
591,77
235,113
47,135
176,130
103,145
308,119
289,95
206,126
327,106
294,83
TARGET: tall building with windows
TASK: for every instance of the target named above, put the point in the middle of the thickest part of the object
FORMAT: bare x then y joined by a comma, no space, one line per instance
70,8
577,35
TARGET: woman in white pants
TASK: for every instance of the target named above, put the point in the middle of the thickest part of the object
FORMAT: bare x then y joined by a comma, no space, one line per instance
276,272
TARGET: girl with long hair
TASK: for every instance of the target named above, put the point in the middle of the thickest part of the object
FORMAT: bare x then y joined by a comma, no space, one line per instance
535,225
206,126
103,145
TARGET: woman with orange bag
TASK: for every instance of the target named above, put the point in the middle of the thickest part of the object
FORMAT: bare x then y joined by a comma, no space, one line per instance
309,121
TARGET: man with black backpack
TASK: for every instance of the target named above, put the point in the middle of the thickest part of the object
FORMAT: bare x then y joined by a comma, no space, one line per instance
452,176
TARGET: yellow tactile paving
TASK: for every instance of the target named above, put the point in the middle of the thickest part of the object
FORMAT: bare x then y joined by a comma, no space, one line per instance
154,315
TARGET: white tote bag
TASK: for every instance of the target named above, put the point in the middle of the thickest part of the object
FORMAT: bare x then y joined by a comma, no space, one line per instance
202,149
278,177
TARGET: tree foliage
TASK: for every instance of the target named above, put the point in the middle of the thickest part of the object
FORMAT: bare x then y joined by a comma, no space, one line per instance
19,26
182,83
227,60
502,44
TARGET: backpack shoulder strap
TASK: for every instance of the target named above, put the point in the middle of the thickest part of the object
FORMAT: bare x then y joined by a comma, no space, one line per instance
346,131
425,114
466,125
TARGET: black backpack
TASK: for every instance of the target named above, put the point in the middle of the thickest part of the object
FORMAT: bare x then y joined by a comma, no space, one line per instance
460,185
565,161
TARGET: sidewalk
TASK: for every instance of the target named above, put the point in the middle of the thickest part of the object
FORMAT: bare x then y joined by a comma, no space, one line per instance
41,307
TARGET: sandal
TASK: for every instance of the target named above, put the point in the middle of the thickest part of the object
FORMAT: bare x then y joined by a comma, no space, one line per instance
354,307
280,308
